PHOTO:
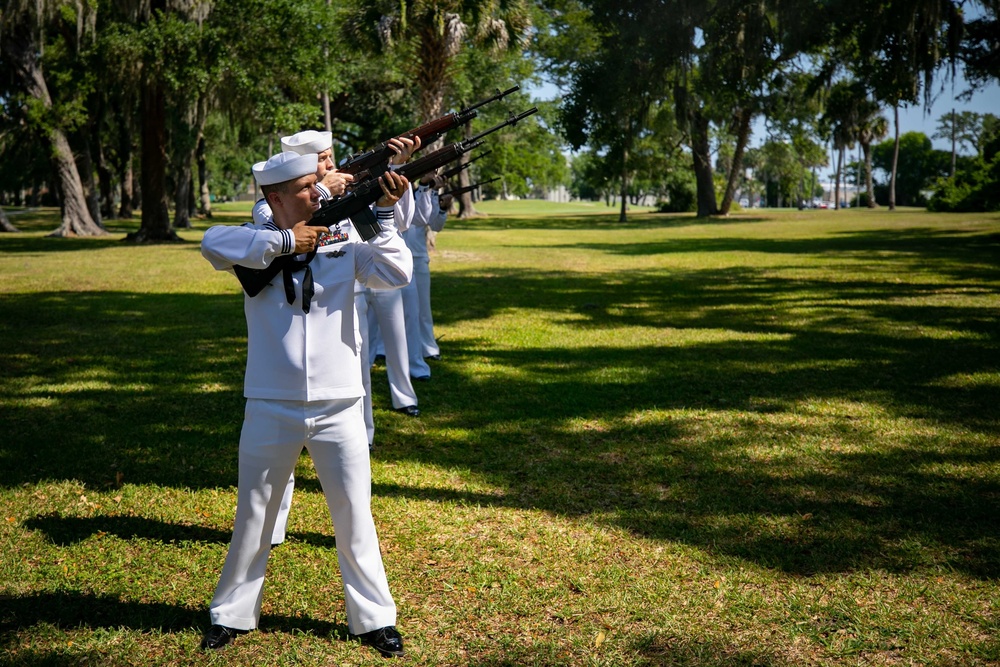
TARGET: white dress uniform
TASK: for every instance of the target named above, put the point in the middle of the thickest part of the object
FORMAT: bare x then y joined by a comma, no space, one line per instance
427,215
403,211
387,332
304,387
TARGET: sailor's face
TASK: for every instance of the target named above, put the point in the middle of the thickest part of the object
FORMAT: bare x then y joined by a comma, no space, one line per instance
303,198
325,163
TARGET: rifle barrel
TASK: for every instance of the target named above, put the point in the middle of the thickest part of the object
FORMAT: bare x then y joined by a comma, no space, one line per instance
496,96
512,120
469,188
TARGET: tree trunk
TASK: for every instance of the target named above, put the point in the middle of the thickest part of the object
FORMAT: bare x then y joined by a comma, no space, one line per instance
192,201
126,207
895,161
182,195
126,177
432,72
104,179
328,117
466,207
623,211
866,148
703,166
742,136
191,129
325,100
155,225
836,187
76,218
5,223
23,53
206,197
85,167
953,143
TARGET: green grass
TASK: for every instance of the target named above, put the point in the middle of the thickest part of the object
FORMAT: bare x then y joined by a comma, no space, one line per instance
772,439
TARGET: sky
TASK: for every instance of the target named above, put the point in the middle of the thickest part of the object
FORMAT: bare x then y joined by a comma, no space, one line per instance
915,119
912,119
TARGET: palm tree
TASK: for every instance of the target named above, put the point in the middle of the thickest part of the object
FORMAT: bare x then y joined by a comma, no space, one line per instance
872,127
431,33
435,31
840,123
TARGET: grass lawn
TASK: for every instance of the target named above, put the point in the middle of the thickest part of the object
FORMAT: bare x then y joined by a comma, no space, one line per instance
772,439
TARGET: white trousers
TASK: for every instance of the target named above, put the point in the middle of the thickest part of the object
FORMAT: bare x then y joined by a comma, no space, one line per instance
422,279
385,313
361,308
411,318
361,305
274,433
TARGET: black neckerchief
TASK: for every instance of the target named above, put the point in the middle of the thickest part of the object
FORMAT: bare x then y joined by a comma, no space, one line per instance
308,289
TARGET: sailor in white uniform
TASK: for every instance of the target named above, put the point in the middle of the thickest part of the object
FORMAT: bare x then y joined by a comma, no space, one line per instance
332,183
304,388
387,336
430,212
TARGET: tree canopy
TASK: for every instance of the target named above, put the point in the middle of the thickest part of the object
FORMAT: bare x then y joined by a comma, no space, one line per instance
107,108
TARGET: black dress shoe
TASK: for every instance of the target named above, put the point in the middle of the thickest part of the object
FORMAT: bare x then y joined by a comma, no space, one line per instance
218,636
433,357
386,641
421,378
410,410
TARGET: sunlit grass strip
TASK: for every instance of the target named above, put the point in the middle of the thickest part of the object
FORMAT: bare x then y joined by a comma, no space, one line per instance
766,440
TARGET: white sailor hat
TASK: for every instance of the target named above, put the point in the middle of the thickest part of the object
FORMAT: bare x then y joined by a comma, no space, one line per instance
308,141
286,166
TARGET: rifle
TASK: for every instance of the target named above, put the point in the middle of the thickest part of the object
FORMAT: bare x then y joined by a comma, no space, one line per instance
356,204
359,163
448,173
455,192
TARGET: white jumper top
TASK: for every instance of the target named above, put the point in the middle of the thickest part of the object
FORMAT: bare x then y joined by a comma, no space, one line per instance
427,213
298,356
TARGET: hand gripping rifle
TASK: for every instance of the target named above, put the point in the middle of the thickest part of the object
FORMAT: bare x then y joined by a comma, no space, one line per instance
455,192
448,173
356,204
359,163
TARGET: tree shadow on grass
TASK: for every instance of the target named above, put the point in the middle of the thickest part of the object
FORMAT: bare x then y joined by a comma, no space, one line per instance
652,650
146,389
68,530
68,609
604,220
71,609
44,245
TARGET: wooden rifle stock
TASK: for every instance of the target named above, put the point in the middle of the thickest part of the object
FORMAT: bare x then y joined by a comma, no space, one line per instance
360,165
356,204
